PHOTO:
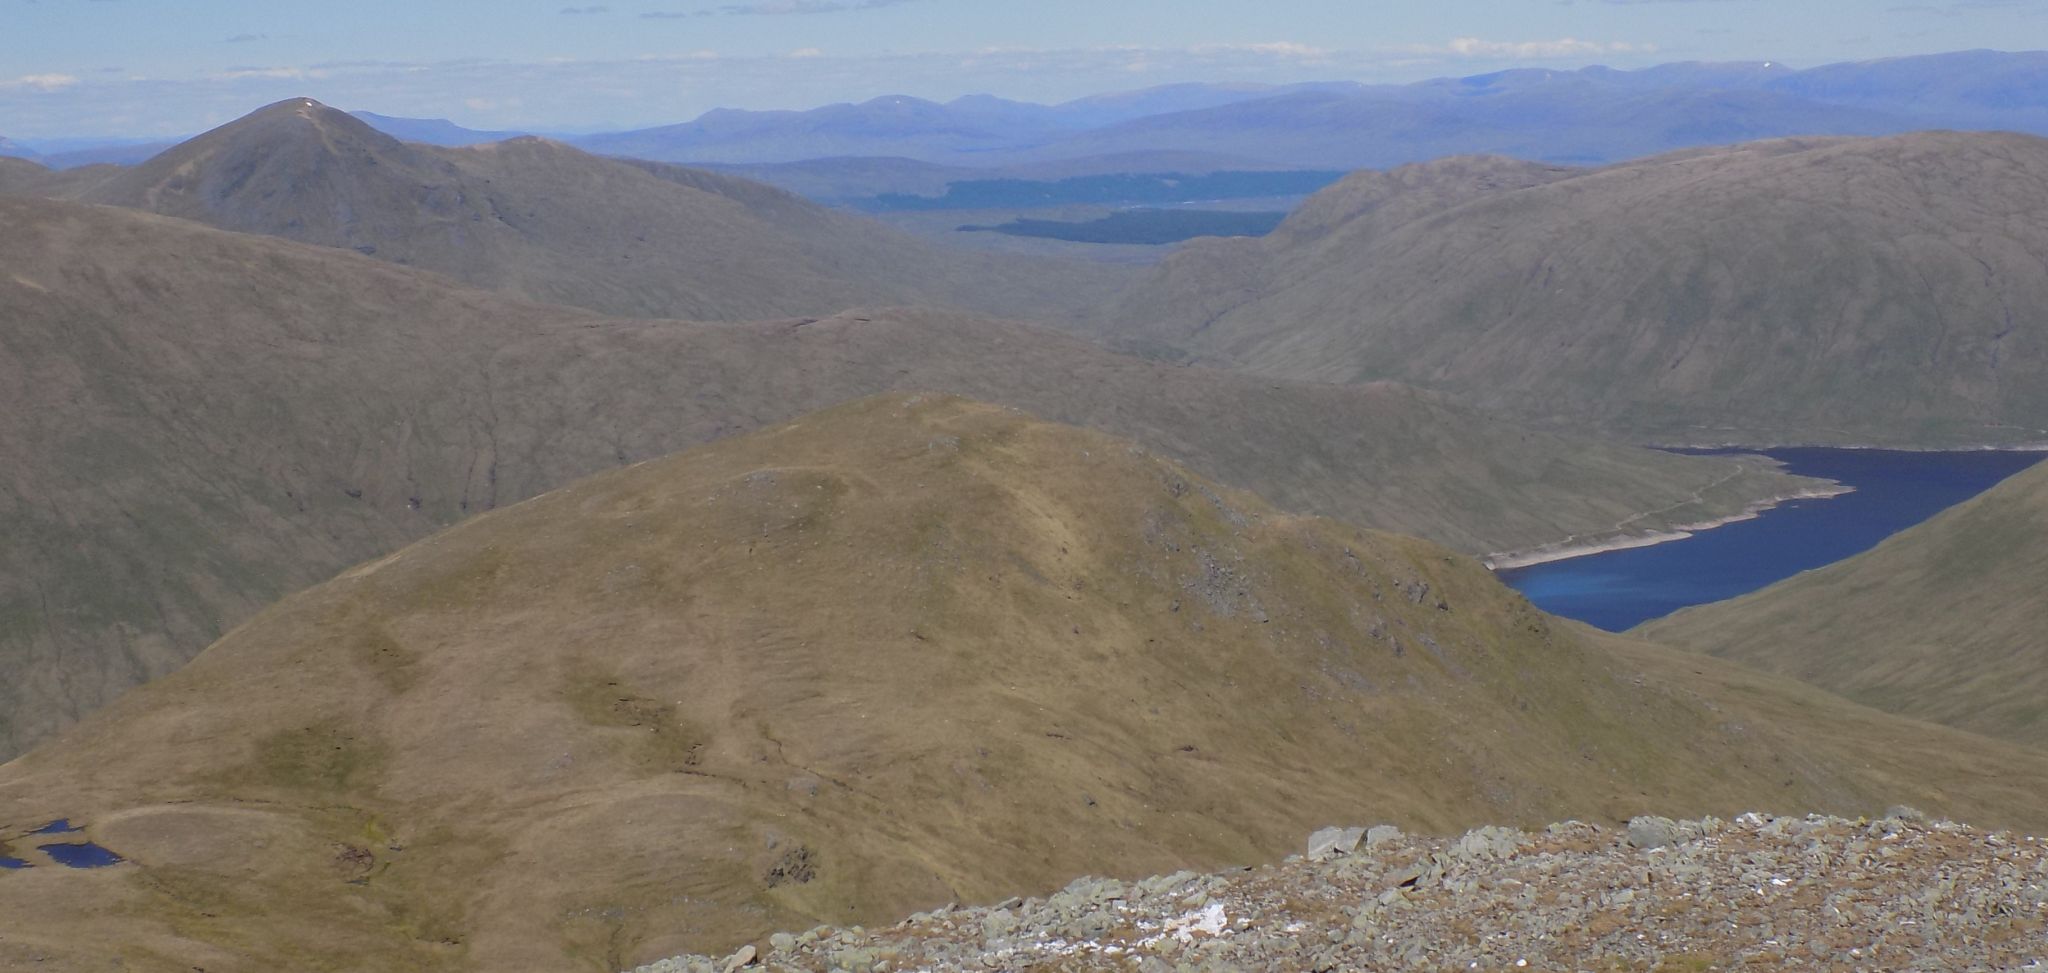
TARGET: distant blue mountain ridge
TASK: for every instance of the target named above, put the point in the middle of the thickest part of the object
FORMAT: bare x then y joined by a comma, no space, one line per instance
1584,116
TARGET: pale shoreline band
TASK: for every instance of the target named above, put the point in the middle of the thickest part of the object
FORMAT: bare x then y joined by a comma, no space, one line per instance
1568,550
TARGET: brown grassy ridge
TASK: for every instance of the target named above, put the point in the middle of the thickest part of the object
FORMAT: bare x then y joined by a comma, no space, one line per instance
195,423
909,650
1942,622
1856,291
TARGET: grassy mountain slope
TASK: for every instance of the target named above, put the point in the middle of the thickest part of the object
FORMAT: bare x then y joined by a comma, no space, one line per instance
1941,622
541,221
1883,290
195,423
908,651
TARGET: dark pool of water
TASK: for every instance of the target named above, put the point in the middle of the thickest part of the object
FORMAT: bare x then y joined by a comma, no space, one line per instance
59,826
12,863
1618,590
85,855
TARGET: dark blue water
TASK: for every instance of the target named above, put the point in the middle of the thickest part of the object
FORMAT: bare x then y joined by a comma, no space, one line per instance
87,855
12,863
59,826
1618,590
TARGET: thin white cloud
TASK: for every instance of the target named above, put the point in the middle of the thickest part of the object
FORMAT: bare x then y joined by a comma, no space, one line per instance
777,8
41,82
1477,48
272,73
1288,50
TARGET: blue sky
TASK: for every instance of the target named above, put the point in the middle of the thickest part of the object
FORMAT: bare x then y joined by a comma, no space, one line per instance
170,67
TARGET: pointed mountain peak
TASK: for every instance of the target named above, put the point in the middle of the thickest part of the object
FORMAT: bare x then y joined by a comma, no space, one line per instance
286,168
295,112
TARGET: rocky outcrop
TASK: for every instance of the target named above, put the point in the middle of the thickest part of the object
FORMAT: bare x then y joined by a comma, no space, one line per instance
1897,893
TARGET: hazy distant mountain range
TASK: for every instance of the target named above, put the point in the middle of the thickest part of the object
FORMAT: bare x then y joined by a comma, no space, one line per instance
74,153
1586,116
432,131
957,131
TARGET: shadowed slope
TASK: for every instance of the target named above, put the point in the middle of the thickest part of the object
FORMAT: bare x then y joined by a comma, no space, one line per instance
907,651
1942,622
195,423
1883,290
24,177
539,220
16,175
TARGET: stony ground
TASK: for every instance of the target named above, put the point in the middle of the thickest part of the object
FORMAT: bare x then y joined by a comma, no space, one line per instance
1815,893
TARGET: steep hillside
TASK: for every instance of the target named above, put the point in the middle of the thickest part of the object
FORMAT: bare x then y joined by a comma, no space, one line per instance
195,423
541,221
1885,290
908,651
1942,622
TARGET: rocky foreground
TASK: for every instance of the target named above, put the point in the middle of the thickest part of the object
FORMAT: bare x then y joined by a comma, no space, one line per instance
1901,893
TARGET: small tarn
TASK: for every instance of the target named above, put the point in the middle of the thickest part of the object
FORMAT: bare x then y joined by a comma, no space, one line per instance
82,855
59,826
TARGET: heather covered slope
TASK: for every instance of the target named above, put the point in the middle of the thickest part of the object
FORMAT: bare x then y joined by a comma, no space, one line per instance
908,651
1943,622
195,423
541,221
1848,291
